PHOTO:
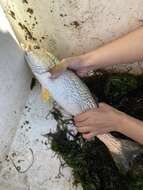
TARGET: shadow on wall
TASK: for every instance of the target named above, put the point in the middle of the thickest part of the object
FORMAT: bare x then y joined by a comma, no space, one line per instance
15,78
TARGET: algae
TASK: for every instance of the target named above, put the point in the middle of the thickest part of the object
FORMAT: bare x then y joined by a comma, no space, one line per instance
91,162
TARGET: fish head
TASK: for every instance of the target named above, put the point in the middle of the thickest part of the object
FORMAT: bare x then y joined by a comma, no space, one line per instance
40,60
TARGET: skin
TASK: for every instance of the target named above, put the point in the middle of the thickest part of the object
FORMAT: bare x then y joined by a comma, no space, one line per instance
127,49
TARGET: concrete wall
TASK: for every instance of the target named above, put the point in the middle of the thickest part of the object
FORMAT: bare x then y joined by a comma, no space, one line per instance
15,78
63,27
72,27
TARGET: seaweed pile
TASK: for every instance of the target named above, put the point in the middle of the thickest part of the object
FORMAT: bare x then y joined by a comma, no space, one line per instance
91,162
135,174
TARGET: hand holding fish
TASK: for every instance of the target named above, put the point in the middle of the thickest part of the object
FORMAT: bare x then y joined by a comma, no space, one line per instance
77,64
106,119
99,121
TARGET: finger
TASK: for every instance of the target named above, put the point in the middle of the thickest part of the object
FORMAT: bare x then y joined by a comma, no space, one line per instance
82,73
55,75
57,70
84,129
82,123
81,117
89,136
102,104
104,107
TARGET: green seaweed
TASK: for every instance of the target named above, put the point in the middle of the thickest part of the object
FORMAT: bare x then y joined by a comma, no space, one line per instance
114,85
91,162
135,174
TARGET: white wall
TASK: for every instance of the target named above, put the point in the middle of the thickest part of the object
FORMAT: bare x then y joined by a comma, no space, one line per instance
15,79
76,26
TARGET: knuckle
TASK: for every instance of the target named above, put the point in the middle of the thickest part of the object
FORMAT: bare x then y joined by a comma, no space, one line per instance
63,60
102,104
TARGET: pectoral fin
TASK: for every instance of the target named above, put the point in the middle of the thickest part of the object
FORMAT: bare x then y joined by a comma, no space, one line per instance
45,94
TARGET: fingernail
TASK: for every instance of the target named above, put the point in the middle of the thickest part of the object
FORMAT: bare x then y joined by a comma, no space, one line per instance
49,74
53,76
75,120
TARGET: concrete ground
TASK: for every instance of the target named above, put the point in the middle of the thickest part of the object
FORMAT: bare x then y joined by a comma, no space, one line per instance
26,163
24,118
15,79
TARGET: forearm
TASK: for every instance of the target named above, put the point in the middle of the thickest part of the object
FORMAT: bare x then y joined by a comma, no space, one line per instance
127,49
132,128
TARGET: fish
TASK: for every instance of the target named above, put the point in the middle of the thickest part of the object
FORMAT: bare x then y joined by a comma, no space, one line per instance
67,90
71,94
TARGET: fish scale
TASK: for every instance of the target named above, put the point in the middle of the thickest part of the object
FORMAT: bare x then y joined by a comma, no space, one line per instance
74,97
68,90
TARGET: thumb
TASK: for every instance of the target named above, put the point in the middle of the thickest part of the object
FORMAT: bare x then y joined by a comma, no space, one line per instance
82,72
57,70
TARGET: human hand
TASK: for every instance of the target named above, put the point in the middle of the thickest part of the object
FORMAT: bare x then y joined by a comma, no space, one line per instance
99,121
77,64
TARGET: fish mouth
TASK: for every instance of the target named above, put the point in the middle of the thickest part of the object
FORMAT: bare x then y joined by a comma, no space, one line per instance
36,69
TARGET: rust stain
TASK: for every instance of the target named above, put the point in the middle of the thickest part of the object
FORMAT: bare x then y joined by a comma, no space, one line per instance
28,34
25,1
75,24
30,11
36,47
12,14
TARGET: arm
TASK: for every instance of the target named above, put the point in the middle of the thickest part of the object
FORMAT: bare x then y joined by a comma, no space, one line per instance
127,49
132,128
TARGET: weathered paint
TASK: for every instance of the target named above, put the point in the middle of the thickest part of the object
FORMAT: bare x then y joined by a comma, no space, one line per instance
72,27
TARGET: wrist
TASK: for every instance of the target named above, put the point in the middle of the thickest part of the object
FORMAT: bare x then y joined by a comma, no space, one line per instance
132,128
126,123
123,123
94,59
88,60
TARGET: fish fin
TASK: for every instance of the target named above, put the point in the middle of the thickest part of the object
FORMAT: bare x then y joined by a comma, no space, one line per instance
46,96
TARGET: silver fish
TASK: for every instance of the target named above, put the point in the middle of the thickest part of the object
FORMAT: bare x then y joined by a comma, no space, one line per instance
74,97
